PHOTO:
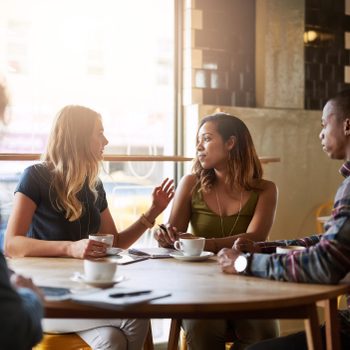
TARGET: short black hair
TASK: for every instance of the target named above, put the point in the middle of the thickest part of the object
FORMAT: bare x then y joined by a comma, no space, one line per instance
342,104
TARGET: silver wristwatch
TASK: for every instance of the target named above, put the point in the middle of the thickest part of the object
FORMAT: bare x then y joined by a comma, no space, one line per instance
241,263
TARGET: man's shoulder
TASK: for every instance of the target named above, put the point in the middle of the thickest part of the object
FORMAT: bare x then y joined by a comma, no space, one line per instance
343,190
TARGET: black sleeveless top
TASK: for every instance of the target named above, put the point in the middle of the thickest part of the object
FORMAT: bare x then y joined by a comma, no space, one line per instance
48,222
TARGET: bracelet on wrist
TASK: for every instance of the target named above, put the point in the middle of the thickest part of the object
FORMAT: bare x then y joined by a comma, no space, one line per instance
146,222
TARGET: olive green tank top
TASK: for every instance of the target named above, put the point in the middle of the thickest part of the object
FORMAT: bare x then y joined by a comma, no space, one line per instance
206,223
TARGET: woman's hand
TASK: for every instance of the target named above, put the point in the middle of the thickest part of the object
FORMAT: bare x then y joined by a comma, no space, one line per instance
87,248
245,245
163,194
166,235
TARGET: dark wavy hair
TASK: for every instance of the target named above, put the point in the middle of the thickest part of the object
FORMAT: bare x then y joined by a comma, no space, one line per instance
244,167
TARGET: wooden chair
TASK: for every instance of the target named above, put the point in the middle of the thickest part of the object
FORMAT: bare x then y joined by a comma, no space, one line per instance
71,341
322,214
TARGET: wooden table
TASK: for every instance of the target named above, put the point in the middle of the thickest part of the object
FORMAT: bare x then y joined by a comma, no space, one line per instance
199,290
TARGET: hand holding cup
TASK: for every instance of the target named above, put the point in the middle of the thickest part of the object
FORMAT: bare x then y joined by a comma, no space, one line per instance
108,239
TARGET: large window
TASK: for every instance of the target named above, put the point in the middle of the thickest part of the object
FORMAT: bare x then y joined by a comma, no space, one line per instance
111,55
114,56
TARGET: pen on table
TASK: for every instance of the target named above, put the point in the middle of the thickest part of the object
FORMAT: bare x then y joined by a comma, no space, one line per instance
129,294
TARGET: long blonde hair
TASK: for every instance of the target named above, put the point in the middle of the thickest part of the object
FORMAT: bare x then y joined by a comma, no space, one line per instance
70,159
243,166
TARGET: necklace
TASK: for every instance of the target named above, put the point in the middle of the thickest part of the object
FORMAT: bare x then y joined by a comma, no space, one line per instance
220,213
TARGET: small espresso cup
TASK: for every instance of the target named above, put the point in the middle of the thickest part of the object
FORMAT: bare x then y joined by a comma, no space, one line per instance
190,246
105,238
99,270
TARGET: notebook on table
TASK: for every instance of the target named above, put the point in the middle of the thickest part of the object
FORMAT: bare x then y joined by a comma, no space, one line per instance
119,297
132,255
152,253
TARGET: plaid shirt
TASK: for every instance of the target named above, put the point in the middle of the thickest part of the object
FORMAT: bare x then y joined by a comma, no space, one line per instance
326,258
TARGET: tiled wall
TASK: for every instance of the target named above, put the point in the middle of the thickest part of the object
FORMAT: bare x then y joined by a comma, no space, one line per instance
325,52
225,41
222,41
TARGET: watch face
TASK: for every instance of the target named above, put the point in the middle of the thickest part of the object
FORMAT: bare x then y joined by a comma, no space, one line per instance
240,263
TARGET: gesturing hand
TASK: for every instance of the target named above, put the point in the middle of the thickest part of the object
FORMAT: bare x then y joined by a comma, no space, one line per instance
163,194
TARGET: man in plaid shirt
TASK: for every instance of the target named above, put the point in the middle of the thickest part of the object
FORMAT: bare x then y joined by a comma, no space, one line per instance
326,258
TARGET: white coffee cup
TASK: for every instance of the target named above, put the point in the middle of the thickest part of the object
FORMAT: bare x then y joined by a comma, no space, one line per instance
190,246
287,249
99,270
105,238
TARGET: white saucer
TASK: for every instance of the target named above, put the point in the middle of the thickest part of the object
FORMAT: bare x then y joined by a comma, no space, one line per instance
204,256
113,251
78,277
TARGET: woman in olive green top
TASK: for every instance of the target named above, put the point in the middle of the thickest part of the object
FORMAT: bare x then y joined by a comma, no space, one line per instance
224,198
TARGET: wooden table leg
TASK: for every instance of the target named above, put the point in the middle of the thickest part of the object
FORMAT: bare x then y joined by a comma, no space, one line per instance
332,325
174,333
313,331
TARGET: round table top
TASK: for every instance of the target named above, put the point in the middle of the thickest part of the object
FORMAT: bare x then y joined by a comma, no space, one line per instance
195,287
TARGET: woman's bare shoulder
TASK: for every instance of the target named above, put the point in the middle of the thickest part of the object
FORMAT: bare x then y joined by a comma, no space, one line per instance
188,182
267,185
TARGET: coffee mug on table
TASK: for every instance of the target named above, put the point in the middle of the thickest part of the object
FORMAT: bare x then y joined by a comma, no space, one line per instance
99,270
190,246
105,238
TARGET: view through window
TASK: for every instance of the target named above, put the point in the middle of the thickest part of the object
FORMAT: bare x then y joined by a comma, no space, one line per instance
111,55
114,56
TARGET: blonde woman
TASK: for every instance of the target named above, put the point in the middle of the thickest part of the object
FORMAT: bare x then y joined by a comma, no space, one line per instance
59,202
223,199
